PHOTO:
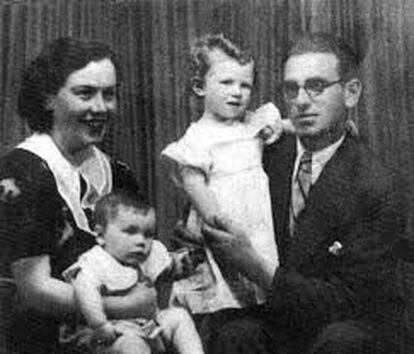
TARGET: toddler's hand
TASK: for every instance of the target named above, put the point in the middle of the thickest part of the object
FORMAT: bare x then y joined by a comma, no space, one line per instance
268,118
105,334
266,133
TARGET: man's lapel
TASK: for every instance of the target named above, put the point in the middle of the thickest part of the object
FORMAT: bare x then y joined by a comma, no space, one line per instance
328,205
279,160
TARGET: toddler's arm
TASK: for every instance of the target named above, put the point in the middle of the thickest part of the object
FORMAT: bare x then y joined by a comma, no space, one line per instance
202,198
91,306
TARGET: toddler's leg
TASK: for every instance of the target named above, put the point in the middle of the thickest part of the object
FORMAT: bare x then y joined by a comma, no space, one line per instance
178,329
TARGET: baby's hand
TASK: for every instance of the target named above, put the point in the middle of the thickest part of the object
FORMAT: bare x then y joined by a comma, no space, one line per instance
105,334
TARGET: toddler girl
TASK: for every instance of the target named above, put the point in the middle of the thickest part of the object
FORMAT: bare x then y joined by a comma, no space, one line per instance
218,164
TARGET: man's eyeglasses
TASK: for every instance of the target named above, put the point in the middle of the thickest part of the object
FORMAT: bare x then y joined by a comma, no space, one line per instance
313,87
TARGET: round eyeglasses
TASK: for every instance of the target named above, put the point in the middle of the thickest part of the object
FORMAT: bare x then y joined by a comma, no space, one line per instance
313,87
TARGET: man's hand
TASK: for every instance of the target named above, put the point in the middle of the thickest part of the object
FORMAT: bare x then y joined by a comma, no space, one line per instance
229,241
185,261
183,237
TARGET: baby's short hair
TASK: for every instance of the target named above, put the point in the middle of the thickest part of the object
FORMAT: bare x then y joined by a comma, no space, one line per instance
202,47
106,208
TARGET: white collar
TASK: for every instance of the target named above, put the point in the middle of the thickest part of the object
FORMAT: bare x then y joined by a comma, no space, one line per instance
319,158
96,171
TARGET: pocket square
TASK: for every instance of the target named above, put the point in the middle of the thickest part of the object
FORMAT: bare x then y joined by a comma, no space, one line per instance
335,248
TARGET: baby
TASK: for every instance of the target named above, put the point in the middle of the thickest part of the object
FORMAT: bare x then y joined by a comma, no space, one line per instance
127,255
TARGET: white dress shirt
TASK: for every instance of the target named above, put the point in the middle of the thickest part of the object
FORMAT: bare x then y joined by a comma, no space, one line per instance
319,158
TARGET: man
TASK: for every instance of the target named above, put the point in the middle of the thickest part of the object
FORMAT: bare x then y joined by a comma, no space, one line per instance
337,211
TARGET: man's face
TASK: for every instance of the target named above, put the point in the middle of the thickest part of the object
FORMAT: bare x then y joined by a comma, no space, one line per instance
128,236
83,107
227,87
323,116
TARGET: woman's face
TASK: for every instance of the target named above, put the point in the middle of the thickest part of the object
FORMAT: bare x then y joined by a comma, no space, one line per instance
84,105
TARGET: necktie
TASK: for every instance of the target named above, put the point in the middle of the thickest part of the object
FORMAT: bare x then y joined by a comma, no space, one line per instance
300,188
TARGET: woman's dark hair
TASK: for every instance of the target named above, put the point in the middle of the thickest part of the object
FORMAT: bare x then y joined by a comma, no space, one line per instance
48,72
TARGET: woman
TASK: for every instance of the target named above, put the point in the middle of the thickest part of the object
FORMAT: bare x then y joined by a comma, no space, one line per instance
50,182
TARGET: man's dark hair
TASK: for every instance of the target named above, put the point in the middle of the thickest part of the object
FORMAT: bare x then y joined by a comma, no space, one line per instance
326,43
106,208
48,72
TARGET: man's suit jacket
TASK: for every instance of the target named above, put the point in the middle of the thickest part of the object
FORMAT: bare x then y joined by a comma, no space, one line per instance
356,202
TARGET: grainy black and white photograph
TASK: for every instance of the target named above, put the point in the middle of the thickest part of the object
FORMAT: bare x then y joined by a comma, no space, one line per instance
207,176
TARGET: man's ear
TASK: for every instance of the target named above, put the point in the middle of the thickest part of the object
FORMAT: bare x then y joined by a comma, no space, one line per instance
197,86
353,90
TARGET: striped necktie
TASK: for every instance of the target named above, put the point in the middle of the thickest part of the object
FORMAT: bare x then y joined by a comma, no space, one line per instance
300,188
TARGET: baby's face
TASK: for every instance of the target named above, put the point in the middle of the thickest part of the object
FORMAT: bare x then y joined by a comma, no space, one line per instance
227,87
128,236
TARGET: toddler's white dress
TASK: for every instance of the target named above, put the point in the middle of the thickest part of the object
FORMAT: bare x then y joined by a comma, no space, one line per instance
230,157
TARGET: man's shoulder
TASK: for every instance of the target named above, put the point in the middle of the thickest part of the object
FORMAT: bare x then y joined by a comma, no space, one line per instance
361,158
280,153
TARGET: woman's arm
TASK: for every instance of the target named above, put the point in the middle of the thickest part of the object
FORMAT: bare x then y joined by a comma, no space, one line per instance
39,291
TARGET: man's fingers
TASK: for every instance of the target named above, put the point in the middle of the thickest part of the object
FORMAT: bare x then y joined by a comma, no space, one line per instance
225,224
183,233
220,233
212,233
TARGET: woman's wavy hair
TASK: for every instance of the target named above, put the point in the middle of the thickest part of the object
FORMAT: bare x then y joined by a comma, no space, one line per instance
47,73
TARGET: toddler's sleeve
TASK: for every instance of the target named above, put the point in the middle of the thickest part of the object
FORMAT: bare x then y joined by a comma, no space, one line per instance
189,151
70,274
267,123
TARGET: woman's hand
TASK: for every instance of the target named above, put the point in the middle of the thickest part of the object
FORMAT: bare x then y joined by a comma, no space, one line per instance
229,241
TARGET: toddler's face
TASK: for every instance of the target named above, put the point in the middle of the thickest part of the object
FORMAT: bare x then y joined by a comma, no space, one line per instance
129,235
227,87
